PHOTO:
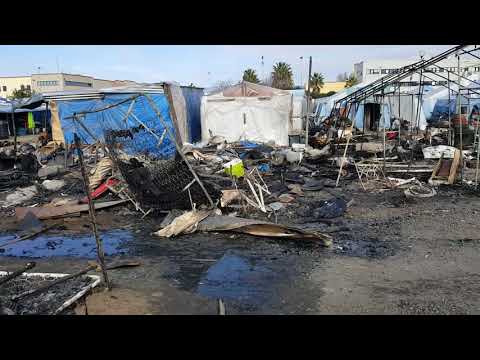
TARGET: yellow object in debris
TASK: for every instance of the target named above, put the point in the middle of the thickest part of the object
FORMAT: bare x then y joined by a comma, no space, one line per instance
235,168
30,121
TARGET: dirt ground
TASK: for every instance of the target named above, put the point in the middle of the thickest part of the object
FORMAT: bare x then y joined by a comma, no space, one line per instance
390,255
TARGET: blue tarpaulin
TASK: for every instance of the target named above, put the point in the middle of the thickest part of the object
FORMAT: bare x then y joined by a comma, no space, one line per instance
113,118
442,105
441,108
193,99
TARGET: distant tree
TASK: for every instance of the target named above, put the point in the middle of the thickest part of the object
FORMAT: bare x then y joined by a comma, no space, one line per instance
316,84
282,76
251,76
342,77
352,80
222,85
21,93
330,93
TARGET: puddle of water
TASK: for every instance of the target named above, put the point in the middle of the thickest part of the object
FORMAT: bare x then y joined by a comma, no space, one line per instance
82,245
236,278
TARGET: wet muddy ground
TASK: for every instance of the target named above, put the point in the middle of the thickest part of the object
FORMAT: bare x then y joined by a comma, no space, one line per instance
390,255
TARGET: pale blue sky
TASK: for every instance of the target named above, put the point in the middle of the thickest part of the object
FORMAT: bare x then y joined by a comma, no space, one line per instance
202,65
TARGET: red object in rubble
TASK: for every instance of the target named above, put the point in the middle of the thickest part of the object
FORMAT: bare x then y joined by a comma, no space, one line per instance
100,190
391,135
463,119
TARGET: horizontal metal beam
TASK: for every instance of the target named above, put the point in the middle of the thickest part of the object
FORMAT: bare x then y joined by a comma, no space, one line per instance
456,74
102,109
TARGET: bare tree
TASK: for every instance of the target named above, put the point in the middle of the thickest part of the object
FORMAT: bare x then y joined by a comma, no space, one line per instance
222,85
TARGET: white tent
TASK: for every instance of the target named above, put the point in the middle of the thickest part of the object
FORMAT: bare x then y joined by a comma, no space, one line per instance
248,111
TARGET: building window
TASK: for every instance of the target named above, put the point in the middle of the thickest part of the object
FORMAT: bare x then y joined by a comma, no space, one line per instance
77,83
466,69
47,83
441,70
4,88
409,83
477,68
28,87
384,71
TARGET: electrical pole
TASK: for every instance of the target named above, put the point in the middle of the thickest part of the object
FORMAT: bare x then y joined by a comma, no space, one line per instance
301,72
308,100
263,71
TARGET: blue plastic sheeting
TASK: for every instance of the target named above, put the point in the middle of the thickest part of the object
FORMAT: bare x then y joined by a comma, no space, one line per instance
441,108
358,120
97,123
248,144
386,119
385,116
39,118
193,99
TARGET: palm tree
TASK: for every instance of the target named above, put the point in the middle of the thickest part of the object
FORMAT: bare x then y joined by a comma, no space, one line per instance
282,76
316,83
251,76
352,80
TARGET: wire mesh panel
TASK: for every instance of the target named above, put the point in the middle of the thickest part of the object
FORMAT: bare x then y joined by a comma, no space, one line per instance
160,184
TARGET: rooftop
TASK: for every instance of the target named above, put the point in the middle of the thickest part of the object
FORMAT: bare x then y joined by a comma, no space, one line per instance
12,77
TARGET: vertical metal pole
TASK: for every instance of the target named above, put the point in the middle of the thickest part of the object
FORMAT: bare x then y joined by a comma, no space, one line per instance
100,253
66,155
460,119
308,100
382,116
399,114
410,125
45,119
476,170
449,113
420,92
468,107
363,117
475,135
14,133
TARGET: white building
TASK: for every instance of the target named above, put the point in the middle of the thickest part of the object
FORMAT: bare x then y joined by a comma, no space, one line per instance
371,70
54,82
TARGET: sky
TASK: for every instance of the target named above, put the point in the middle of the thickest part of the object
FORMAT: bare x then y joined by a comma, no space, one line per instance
202,65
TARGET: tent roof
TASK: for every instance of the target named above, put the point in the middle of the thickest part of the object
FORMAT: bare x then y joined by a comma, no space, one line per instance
34,103
98,93
248,89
